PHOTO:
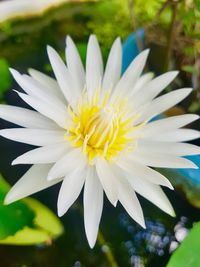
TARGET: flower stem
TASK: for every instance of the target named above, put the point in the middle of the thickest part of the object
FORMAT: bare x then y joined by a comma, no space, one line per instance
107,251
174,6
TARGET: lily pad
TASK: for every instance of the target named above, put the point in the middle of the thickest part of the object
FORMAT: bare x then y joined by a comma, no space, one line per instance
46,227
26,222
13,217
187,253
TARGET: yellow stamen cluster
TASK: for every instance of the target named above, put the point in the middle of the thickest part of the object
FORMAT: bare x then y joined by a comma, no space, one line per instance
100,127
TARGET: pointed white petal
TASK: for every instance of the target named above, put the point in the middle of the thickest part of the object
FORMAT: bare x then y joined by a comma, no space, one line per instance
113,66
178,149
151,192
141,171
163,103
168,124
93,205
57,115
153,88
129,78
74,64
73,160
25,117
63,76
179,135
48,82
33,88
42,155
129,201
34,180
107,179
94,66
162,160
70,190
141,82
36,137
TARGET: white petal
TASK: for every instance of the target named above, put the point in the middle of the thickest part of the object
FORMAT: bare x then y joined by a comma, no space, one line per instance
36,137
34,180
42,155
94,66
74,64
178,149
129,201
25,117
70,190
162,160
153,88
141,171
73,160
179,135
48,82
33,88
57,115
164,102
168,124
108,180
141,82
93,205
63,76
113,66
151,192
129,78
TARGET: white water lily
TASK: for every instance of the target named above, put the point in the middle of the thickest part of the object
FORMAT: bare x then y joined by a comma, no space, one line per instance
94,129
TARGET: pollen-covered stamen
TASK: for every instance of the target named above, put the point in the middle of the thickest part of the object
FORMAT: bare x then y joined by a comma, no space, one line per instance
103,123
101,128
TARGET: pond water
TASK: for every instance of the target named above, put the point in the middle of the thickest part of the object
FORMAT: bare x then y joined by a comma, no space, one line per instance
121,241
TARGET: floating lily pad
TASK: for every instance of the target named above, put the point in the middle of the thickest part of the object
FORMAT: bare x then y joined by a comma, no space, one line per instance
46,227
14,217
26,222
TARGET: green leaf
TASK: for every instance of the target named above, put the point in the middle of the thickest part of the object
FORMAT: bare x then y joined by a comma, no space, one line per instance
189,68
26,222
194,107
187,253
45,219
198,4
13,217
46,227
5,77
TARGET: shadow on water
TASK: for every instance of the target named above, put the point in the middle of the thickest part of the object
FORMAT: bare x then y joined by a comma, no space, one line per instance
23,45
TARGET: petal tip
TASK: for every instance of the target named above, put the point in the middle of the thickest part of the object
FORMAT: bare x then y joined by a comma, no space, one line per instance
60,211
68,40
50,50
14,162
143,224
13,72
8,199
91,243
173,214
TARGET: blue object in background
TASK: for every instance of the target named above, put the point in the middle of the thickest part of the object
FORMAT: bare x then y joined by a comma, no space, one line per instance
130,48
192,174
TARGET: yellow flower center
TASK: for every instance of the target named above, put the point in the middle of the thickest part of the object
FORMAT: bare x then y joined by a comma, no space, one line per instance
102,128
